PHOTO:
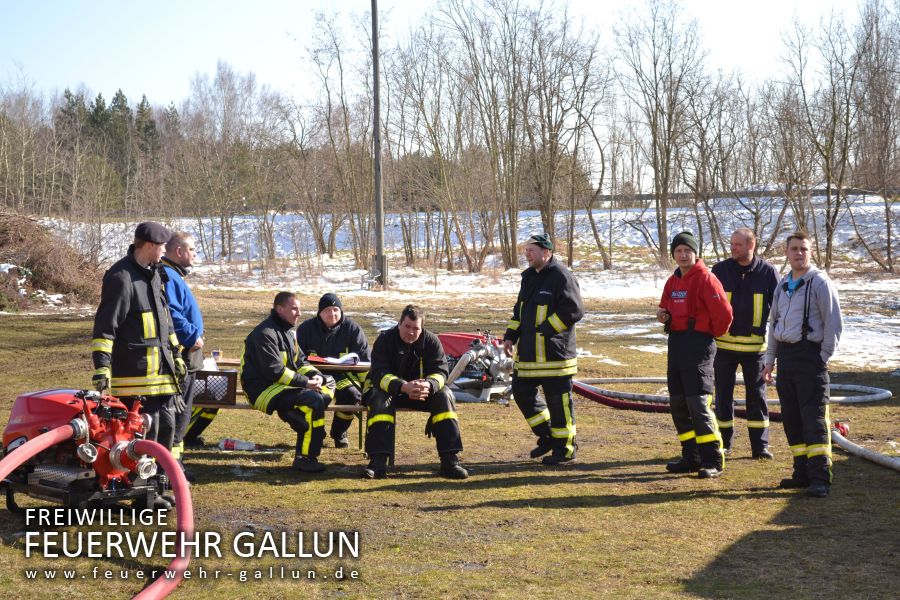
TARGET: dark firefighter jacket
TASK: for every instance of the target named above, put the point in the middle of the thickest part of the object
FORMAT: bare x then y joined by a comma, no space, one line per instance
185,313
394,362
315,339
271,362
133,333
696,302
749,290
543,322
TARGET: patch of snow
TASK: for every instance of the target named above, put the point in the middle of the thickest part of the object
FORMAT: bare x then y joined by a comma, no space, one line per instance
649,348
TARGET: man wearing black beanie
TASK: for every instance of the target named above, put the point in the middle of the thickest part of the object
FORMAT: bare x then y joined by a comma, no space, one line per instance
694,310
330,334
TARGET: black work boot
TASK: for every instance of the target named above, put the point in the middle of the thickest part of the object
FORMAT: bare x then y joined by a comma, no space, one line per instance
689,461
789,483
559,457
450,467
727,439
377,468
712,461
544,445
817,489
307,464
165,497
763,453
342,441
798,478
683,465
709,472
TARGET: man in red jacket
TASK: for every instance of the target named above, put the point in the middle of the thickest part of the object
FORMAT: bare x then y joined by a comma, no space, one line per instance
694,310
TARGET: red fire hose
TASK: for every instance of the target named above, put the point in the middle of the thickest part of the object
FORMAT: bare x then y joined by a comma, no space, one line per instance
163,586
33,447
591,393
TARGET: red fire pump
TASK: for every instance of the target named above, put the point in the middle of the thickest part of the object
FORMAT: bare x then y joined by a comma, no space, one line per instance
84,450
98,465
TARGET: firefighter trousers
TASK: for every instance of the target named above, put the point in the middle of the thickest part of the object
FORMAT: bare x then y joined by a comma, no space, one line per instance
304,411
183,420
348,396
690,379
552,418
200,419
802,385
381,430
725,368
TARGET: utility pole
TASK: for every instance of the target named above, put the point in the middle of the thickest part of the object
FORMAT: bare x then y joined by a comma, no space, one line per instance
381,264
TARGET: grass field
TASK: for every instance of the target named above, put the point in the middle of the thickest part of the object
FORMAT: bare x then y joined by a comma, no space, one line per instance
614,524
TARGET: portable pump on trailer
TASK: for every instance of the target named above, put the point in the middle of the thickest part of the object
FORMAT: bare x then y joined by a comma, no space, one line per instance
480,370
85,450
97,466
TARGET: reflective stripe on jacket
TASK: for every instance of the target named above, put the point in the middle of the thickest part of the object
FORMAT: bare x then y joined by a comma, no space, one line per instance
394,362
543,322
749,291
271,362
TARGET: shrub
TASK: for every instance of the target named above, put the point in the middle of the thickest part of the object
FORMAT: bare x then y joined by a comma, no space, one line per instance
52,264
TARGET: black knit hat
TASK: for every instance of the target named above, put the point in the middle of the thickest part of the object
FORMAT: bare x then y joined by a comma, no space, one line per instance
151,231
685,238
329,300
541,240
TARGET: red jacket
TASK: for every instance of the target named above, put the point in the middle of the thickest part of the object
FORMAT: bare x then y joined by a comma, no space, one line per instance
697,294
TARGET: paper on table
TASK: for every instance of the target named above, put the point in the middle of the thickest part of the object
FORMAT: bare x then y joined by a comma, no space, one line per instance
348,359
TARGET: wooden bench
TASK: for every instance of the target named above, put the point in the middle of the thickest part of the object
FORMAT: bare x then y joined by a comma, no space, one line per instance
221,389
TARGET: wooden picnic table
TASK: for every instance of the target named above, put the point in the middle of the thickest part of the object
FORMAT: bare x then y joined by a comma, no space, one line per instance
226,377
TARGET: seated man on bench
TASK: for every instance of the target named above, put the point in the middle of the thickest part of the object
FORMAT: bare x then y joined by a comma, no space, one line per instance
332,334
409,370
277,379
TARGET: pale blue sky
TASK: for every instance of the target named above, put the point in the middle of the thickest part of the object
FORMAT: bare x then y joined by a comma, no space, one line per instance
156,47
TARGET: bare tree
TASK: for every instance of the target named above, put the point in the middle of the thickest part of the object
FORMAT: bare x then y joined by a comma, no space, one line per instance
878,155
829,112
662,63
491,38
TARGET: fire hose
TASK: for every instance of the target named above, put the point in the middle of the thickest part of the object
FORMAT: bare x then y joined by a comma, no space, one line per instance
163,586
658,404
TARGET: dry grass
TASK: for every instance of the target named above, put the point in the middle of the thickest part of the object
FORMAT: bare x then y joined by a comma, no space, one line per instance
614,524
53,265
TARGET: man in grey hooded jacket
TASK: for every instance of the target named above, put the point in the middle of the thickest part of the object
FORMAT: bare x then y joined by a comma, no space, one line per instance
805,327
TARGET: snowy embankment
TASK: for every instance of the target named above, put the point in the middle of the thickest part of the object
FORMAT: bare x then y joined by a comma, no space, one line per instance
872,326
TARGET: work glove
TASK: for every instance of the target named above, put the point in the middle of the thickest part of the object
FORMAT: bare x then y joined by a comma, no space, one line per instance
180,404
100,380
180,368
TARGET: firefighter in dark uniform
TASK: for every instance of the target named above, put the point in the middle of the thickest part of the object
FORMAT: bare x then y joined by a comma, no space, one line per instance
409,370
542,330
135,350
694,310
804,331
278,380
749,282
331,334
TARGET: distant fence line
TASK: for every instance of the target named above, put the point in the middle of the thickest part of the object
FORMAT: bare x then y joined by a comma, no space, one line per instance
776,193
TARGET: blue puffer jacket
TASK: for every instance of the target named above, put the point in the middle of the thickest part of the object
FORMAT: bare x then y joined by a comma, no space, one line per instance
185,313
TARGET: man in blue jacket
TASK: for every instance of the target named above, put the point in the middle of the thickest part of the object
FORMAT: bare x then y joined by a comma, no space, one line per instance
188,321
